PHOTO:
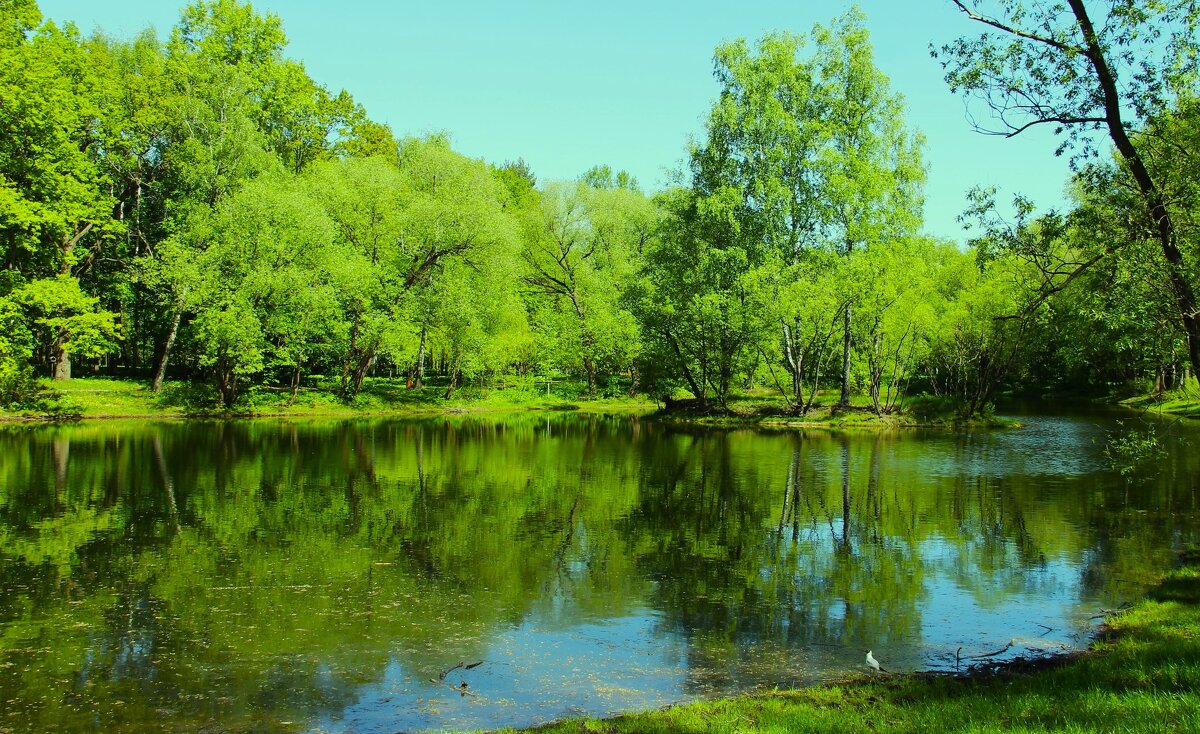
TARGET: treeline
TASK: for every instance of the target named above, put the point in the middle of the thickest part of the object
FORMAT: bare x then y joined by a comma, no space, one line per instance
200,207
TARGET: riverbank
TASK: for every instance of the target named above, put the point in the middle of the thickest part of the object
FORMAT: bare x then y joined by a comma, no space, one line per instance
97,398
1142,675
766,410
1183,402
94,398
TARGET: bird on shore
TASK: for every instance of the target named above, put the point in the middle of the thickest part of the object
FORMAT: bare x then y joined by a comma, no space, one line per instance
874,663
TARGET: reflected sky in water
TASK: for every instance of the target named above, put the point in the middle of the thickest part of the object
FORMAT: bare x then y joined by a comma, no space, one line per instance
320,576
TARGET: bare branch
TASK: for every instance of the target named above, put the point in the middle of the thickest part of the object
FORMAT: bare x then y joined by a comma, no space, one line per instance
1018,32
1046,293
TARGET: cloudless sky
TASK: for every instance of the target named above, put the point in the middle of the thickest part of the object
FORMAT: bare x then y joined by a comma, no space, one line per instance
567,85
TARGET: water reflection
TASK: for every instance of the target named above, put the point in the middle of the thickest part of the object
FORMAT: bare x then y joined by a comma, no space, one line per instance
310,576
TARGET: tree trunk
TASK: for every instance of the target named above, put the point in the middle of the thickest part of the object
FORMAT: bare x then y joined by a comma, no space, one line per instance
1160,216
589,369
295,385
360,371
226,383
62,358
160,372
844,402
794,359
701,394
419,381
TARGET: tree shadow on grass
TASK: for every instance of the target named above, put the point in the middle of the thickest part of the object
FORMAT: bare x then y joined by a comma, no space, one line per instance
190,397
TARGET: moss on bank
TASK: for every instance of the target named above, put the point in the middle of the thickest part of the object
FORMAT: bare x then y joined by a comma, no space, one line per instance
1143,675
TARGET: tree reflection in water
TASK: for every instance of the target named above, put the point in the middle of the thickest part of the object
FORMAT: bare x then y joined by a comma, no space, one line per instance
286,575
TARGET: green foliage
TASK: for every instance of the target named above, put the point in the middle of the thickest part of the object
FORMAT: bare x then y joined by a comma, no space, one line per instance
63,315
16,348
583,245
230,338
243,222
51,200
975,342
19,18
1134,451
1045,75
1123,68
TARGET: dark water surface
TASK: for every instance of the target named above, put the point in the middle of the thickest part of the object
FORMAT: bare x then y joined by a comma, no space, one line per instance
318,576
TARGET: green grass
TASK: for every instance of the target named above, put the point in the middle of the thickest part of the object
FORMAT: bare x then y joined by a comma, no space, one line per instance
107,398
1142,676
1183,401
93,397
763,407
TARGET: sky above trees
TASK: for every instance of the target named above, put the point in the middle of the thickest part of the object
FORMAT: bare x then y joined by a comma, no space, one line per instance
566,86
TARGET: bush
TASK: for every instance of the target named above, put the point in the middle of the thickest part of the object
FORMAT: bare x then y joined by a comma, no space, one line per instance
18,388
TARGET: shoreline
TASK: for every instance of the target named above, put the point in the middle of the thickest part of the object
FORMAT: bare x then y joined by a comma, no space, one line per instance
643,411
1139,673
93,399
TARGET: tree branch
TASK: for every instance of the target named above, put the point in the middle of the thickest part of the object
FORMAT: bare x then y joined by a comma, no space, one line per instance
1018,32
1045,294
1059,120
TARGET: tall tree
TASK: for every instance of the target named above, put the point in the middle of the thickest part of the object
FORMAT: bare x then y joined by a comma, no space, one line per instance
580,252
802,153
1054,64
872,170
57,202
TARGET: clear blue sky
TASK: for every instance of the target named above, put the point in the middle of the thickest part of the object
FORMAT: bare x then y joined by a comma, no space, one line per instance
566,85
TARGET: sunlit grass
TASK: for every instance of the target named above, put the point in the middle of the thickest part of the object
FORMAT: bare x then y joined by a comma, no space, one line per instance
1184,400
1143,677
108,398
93,397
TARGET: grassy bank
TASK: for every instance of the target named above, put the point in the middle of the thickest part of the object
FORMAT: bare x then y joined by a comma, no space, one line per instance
1184,401
765,408
1142,676
107,398
104,398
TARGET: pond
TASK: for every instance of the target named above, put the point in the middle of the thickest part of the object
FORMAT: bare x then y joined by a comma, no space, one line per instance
318,576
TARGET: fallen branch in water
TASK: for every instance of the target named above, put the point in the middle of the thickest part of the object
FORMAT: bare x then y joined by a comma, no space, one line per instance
461,688
1111,612
447,671
1001,651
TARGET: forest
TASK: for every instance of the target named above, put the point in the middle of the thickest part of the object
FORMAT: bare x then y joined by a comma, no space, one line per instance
199,209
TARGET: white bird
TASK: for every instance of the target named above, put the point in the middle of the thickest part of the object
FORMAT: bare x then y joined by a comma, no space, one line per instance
874,663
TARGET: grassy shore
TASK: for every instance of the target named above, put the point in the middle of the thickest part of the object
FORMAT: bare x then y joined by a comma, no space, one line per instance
1184,401
764,408
87,398
1143,675
104,398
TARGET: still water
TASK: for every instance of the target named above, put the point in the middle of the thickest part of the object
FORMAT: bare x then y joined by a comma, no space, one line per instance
310,576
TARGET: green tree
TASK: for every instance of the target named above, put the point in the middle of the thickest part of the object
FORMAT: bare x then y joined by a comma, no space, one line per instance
16,349
698,308
1056,65
65,321
973,347
254,272
806,305
896,316
872,172
581,251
